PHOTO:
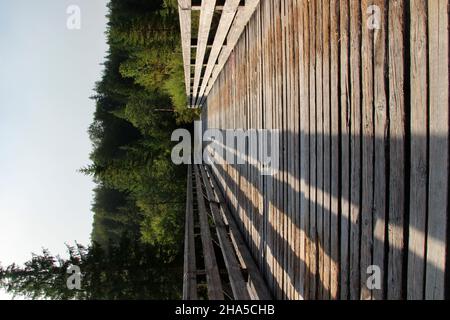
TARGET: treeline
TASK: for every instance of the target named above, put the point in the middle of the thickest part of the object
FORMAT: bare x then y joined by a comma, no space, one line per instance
127,270
140,100
140,195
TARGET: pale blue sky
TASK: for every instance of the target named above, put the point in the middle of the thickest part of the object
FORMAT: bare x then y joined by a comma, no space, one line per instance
47,73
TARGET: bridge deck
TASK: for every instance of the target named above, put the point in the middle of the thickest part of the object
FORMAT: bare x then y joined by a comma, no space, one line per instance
360,93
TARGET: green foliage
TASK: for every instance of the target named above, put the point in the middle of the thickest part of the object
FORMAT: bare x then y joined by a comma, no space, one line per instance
141,99
176,92
143,80
147,67
142,23
126,269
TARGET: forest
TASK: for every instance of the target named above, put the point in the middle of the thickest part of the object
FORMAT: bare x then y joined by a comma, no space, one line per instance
139,197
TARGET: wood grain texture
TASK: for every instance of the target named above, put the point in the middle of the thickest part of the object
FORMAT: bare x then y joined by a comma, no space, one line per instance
236,279
185,31
381,141
226,19
304,148
312,235
335,160
363,113
438,204
367,204
395,235
418,172
190,268
242,17
355,148
327,153
319,147
206,16
345,148
212,272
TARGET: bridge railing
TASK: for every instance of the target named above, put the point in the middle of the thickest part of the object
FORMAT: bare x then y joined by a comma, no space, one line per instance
217,263
214,42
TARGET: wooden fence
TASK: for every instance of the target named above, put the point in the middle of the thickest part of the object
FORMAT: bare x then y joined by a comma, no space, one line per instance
202,71
360,92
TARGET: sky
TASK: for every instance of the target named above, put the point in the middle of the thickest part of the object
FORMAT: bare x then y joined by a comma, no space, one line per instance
47,74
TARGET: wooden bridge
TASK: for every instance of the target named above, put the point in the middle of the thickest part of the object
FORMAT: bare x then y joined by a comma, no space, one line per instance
360,93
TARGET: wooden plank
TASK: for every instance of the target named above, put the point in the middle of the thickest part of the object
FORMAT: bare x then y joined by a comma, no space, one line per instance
237,282
304,144
212,272
226,19
313,155
292,156
364,141
278,73
355,146
275,125
381,140
190,269
289,155
397,106
259,114
242,17
260,124
264,108
335,160
236,247
243,108
327,135
418,173
294,160
284,193
320,144
185,28
438,206
367,205
270,125
218,8
257,280
345,148
206,15
247,62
